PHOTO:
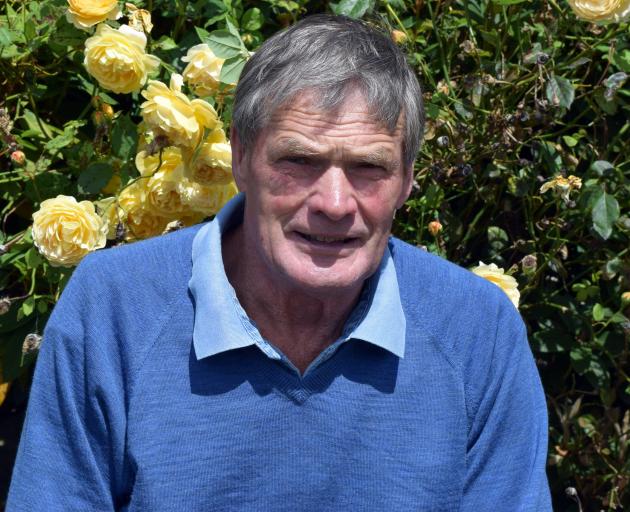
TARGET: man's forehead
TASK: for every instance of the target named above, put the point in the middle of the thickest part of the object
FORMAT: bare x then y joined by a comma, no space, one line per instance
351,106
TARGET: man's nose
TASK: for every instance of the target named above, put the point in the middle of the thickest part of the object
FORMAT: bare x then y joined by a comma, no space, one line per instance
335,195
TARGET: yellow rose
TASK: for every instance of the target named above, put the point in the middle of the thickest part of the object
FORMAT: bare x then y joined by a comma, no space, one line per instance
139,219
169,113
601,10
64,231
117,60
207,200
163,173
211,163
498,276
203,70
84,14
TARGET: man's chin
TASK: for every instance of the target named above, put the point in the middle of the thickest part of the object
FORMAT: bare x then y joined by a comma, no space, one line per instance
326,282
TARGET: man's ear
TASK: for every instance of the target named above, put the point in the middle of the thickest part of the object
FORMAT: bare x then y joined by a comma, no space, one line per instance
407,186
239,160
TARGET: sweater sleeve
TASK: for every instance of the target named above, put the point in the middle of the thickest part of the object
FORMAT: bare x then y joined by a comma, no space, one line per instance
507,441
71,451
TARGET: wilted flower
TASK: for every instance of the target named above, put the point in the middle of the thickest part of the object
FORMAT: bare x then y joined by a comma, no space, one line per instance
139,19
203,70
5,305
170,113
562,186
84,14
529,264
31,343
64,231
399,36
498,276
601,10
434,227
116,58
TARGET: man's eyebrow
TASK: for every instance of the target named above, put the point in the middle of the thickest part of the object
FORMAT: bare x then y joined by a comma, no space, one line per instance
291,146
380,158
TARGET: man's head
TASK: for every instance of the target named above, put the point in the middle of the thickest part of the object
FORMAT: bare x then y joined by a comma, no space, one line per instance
331,55
327,121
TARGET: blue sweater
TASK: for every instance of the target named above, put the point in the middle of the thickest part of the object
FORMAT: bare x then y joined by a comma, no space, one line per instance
123,416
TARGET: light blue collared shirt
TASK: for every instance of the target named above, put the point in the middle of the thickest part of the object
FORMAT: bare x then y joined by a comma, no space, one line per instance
222,324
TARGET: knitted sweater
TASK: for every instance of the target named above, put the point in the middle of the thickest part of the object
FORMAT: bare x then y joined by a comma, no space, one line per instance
123,416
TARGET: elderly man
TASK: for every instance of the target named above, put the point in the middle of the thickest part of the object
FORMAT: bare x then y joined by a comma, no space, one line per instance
290,355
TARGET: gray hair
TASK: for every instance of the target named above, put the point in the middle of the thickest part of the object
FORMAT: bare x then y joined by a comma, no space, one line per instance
331,55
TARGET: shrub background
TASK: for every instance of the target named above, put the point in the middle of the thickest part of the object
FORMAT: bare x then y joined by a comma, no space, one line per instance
517,92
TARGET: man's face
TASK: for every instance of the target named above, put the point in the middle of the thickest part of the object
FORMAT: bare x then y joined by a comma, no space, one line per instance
321,193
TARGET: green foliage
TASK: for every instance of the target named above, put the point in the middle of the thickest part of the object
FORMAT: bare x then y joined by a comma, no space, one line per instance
518,94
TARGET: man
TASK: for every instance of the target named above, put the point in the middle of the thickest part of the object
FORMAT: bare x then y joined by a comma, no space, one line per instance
290,355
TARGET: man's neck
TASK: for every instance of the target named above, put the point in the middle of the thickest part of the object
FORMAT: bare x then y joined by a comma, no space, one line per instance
299,324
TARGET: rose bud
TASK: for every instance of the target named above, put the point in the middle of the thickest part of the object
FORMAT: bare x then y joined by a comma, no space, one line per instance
18,157
435,226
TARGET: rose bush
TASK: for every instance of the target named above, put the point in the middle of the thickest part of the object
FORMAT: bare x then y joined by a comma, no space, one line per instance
524,166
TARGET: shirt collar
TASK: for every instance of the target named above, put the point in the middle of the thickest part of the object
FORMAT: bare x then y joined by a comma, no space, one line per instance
221,324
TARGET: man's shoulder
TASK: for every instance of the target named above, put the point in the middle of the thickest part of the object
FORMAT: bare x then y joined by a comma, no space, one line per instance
162,254
460,312
417,267
114,286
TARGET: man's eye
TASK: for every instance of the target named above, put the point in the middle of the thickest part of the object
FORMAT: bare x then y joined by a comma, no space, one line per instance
368,166
297,160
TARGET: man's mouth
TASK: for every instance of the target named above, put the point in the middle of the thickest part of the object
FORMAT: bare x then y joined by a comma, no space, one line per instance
326,239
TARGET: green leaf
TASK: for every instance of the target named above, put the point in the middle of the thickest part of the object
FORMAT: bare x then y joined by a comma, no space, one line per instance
604,215
497,239
66,138
124,138
231,70
463,111
232,29
33,258
252,19
560,91
570,141
95,177
351,8
552,340
5,36
600,312
224,44
621,59
601,167
28,306
48,184
202,34
432,110
166,43
509,2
